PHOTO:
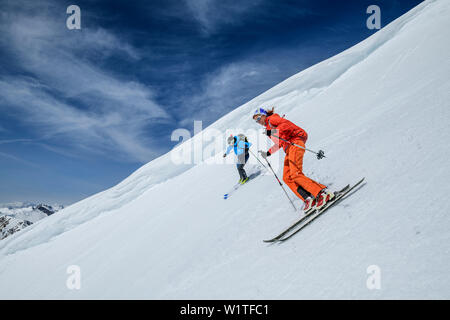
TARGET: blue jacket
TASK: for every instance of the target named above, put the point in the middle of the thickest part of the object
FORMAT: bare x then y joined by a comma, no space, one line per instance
239,146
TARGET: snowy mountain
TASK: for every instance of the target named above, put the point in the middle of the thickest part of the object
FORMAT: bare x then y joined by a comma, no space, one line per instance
16,216
379,110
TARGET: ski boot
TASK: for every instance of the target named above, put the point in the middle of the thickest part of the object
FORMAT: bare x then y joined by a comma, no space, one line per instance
244,180
324,196
309,204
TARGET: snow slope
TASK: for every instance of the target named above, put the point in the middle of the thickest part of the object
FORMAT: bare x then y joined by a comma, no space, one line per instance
378,109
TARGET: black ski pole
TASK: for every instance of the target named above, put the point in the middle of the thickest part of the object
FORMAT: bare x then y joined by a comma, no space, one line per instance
281,185
319,154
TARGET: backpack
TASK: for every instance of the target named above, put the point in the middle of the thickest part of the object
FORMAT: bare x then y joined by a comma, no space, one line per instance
241,136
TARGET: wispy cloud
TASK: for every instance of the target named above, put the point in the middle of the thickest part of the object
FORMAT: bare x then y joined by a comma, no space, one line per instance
90,131
17,159
212,14
15,141
67,94
232,85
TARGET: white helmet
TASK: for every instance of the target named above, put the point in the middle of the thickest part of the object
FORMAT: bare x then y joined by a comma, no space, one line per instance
260,111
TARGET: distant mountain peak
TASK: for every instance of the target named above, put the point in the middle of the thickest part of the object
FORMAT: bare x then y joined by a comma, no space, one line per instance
16,216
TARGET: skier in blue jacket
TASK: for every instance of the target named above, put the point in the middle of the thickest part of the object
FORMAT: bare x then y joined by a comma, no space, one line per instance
240,145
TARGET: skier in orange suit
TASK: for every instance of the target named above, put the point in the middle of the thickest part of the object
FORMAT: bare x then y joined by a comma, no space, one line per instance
311,192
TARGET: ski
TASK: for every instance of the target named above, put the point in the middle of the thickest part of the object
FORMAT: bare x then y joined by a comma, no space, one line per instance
237,185
306,215
329,205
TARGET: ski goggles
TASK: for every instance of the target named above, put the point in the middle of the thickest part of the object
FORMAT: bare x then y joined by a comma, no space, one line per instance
259,113
258,118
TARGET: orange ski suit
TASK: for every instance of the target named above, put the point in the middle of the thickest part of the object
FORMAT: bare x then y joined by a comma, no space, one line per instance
293,175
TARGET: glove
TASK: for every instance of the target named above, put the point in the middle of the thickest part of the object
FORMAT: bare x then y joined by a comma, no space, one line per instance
224,155
264,154
268,132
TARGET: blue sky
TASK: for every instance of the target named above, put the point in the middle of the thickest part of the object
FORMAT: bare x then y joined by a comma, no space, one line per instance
80,110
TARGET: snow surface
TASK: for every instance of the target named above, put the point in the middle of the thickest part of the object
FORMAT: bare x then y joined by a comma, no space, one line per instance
379,110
